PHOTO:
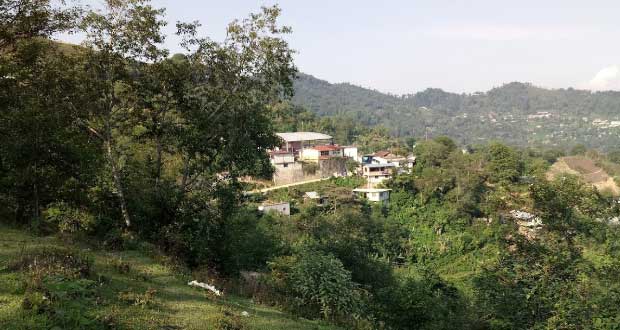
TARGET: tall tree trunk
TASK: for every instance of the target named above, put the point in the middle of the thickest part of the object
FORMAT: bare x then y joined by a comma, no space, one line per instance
118,182
158,161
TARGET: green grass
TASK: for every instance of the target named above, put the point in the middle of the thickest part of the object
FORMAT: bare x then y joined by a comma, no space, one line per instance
175,306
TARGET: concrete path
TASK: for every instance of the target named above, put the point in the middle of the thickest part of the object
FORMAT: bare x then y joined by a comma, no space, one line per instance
283,186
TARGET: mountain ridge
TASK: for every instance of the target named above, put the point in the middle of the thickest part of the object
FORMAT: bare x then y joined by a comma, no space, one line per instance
516,112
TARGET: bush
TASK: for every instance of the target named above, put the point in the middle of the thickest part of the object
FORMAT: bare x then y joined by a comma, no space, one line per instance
423,299
67,219
43,262
138,299
227,320
310,168
249,242
317,285
58,288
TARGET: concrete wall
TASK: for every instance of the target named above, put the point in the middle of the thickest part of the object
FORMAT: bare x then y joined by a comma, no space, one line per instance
294,171
331,166
310,155
282,208
291,174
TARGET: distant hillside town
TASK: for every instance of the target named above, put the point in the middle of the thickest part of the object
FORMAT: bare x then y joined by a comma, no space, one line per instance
308,156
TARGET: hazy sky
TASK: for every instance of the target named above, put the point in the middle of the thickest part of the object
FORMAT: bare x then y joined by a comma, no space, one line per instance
460,46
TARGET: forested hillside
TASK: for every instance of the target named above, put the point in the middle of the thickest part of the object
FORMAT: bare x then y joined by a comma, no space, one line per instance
517,113
125,204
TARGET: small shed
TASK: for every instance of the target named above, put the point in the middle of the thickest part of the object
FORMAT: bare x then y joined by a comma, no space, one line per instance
314,196
283,208
374,194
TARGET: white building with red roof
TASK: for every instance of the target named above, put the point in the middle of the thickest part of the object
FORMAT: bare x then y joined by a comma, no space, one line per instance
321,152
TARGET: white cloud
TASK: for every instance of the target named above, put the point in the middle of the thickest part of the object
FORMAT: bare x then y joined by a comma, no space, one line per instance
606,79
509,32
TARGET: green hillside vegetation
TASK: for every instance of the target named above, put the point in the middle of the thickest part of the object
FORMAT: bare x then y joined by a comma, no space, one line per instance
568,115
135,288
121,171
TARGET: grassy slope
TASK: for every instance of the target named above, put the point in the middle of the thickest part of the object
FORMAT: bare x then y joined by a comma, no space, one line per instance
177,306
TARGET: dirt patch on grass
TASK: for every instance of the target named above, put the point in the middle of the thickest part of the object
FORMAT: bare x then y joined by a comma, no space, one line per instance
587,170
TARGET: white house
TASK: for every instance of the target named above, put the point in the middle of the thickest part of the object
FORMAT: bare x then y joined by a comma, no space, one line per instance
411,161
373,194
283,208
377,173
281,158
316,153
297,141
351,152
386,157
314,196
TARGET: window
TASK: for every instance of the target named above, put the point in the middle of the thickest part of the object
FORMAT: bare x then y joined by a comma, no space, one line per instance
285,165
324,153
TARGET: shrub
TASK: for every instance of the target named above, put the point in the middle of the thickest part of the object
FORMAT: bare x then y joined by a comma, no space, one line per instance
120,266
424,299
310,168
249,242
317,285
68,219
58,288
227,320
42,262
138,299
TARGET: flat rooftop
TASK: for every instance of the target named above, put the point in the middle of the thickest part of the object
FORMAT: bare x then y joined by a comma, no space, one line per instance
303,136
378,165
370,190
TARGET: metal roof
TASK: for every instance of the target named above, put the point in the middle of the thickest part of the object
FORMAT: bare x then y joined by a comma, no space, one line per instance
303,136
379,165
370,190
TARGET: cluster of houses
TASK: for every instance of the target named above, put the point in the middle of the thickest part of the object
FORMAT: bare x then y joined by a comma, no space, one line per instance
305,156
299,148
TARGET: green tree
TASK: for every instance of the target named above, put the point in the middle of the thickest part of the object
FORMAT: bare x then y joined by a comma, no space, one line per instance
318,284
42,159
504,164
126,33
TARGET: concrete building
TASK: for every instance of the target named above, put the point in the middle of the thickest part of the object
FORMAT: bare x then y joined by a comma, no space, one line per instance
320,152
281,158
373,194
314,196
283,208
377,173
351,152
386,157
297,141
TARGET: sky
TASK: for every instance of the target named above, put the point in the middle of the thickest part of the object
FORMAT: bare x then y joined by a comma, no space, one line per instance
403,46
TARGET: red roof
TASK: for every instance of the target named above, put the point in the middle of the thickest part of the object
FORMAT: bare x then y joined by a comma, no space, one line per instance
382,153
327,147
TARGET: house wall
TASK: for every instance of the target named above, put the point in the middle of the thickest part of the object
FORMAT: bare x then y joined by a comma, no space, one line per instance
350,152
310,155
377,196
292,173
375,178
298,145
282,159
333,167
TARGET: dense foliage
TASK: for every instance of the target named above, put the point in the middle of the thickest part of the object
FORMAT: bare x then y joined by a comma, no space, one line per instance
116,142
518,113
